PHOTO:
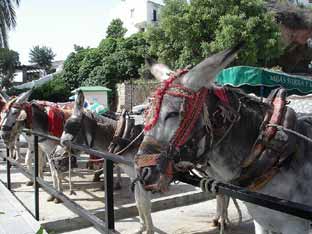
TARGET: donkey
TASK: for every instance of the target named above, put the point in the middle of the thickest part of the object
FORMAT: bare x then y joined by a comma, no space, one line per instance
97,132
232,133
13,144
33,115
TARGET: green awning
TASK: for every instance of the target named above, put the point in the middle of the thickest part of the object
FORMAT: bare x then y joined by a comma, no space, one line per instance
261,81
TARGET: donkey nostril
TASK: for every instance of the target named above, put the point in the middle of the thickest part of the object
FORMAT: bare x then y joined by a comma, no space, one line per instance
146,173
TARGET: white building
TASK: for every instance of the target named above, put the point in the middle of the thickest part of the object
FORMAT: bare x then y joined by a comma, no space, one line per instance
138,14
302,2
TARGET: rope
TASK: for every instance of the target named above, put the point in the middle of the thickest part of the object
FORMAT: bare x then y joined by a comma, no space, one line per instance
280,127
122,150
71,191
131,143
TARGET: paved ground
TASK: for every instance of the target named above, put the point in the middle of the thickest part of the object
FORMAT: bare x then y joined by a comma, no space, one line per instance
14,218
193,219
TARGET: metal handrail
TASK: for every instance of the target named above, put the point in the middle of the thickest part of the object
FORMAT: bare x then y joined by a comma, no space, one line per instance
101,226
105,155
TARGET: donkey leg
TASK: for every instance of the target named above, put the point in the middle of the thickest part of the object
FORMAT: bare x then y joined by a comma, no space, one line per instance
17,150
52,169
28,159
117,185
97,174
259,229
58,178
143,201
219,200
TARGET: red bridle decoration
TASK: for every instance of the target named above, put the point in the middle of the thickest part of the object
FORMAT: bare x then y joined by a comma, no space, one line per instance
192,107
158,98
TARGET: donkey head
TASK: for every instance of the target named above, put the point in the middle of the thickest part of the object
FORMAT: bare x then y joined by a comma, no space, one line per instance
164,135
73,124
13,116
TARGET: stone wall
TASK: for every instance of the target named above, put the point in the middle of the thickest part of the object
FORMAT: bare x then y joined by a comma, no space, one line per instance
139,93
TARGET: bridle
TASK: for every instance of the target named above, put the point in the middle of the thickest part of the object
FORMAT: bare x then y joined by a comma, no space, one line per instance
26,106
183,141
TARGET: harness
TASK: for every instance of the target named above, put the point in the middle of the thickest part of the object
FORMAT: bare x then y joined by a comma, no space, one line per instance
271,151
26,106
274,148
181,145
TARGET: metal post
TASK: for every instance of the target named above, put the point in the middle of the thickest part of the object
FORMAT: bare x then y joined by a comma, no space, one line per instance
35,178
109,195
8,164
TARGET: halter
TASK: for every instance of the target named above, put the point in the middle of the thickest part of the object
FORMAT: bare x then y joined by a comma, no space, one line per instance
26,106
193,104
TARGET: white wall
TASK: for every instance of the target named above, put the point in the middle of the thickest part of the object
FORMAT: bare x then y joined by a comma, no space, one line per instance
136,12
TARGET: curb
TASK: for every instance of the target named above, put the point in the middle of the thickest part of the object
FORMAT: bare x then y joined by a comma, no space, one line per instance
126,211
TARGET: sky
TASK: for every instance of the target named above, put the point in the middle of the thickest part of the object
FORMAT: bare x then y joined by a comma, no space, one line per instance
60,24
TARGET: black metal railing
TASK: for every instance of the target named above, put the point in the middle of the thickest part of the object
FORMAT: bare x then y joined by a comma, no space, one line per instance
100,225
292,208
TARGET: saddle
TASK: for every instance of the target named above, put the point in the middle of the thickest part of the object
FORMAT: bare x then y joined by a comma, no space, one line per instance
274,147
56,120
123,134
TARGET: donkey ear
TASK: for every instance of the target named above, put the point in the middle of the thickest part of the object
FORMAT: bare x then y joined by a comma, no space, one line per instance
4,96
79,101
23,97
160,71
22,116
203,74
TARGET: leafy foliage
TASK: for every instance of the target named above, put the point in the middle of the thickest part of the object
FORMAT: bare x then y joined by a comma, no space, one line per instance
72,64
43,56
187,33
116,29
55,91
9,59
7,20
121,64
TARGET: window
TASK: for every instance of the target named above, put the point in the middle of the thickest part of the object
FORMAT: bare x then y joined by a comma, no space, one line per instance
132,13
154,15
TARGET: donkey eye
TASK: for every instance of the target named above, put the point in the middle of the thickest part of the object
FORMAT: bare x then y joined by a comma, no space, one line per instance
172,114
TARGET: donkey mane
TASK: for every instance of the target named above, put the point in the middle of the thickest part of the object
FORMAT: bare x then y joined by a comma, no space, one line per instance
100,120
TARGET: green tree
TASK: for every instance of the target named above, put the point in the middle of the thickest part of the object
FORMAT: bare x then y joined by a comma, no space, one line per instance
9,59
189,32
54,90
43,56
122,64
72,64
116,29
7,20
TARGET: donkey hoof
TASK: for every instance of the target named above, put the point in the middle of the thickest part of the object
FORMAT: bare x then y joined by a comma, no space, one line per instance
215,223
57,200
117,186
96,178
50,198
30,183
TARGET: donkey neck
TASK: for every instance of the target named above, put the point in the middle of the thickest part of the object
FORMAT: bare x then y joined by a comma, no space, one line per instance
226,158
100,128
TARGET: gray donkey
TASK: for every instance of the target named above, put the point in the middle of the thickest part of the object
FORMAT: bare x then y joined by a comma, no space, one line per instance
83,127
230,130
